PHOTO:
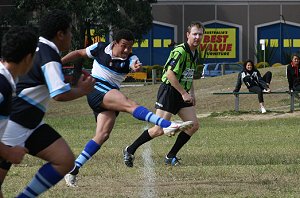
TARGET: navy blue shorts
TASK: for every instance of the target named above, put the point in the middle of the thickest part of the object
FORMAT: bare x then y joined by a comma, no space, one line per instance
95,99
169,99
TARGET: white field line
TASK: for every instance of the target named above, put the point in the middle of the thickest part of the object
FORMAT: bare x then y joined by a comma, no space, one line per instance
149,176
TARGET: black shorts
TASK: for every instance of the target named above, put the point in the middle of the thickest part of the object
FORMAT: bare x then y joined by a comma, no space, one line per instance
4,164
40,138
95,99
169,99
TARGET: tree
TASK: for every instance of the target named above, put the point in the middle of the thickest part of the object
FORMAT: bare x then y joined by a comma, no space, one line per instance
104,16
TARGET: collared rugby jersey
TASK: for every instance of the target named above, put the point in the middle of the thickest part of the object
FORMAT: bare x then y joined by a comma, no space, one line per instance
7,88
183,63
43,81
108,71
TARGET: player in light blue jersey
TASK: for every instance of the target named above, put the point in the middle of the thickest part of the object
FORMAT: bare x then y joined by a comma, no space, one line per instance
111,64
34,90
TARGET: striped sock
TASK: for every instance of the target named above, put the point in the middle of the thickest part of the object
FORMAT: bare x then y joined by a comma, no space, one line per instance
90,149
45,178
142,113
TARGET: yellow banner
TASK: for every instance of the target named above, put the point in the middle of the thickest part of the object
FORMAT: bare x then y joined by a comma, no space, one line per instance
219,43
95,39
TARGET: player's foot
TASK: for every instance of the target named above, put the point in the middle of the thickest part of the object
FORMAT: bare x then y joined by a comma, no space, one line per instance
263,110
174,161
267,90
70,180
177,126
128,158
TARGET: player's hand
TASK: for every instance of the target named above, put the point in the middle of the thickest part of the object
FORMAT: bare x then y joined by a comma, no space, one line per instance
136,66
187,98
86,84
16,154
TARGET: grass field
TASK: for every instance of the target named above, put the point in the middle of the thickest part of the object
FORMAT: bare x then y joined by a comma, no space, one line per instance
232,155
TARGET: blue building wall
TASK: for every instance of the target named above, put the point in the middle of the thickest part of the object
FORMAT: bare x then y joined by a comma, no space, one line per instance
157,45
282,40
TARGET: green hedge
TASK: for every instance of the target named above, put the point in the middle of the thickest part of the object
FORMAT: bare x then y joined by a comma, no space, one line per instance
159,69
262,65
148,69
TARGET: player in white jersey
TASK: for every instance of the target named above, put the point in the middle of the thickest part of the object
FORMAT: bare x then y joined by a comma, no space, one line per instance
111,64
18,49
44,81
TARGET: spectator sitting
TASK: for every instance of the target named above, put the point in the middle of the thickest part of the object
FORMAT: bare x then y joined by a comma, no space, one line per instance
254,82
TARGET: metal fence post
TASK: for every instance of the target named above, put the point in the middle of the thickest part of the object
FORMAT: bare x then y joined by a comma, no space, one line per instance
236,102
153,76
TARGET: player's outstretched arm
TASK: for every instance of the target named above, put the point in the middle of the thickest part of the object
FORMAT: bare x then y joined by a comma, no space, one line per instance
72,56
84,86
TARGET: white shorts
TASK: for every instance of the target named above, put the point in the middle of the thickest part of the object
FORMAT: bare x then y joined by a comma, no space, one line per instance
16,134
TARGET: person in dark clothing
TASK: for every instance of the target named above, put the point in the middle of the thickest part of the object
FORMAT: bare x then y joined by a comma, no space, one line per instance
293,72
254,82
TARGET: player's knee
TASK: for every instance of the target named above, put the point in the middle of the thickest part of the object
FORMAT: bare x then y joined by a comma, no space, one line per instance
195,127
156,131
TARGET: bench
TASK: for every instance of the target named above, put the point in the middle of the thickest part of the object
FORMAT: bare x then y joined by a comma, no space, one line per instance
142,76
236,94
138,75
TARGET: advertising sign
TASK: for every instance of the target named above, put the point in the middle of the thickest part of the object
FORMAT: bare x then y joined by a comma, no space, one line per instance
219,43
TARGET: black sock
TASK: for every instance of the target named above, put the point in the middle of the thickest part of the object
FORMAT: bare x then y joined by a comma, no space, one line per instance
180,141
144,137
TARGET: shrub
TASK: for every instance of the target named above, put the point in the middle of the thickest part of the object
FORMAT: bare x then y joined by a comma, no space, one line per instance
277,65
262,65
148,69
159,70
198,72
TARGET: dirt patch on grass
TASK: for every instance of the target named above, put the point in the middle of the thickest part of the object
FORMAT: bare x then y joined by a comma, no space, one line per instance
254,116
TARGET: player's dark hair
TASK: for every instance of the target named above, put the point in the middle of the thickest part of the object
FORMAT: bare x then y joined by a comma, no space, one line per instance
18,42
54,21
124,34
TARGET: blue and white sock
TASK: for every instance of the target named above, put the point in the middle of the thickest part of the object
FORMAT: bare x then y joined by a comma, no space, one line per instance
45,178
142,113
90,149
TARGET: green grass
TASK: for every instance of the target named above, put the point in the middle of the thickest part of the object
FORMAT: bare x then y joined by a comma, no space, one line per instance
227,157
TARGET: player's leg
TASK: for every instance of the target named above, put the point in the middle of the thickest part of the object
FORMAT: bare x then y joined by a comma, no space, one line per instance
146,136
187,113
4,168
48,145
117,101
105,123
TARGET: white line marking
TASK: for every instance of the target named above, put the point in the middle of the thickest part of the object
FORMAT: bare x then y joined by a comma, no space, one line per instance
148,186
